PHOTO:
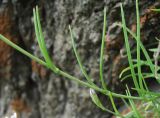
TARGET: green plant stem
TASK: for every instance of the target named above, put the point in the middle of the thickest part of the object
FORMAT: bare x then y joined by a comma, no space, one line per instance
64,74
22,50
143,49
40,39
106,92
102,52
114,106
133,106
128,49
78,58
140,77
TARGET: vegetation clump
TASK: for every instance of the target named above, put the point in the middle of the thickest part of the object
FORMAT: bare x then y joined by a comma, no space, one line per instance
148,99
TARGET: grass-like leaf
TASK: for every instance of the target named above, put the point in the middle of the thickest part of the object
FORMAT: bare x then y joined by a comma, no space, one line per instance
114,106
128,49
133,106
102,51
40,39
140,77
157,10
145,75
149,60
78,58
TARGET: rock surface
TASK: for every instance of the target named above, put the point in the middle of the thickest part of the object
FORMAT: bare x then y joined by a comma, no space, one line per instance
35,92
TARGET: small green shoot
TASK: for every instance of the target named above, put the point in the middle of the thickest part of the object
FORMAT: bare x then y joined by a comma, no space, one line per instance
102,51
128,49
78,58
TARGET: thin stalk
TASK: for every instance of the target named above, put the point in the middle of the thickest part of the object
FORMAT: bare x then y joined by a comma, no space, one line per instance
133,106
149,61
102,52
145,75
157,10
143,49
114,106
36,29
41,41
22,50
128,49
78,58
106,92
152,94
138,48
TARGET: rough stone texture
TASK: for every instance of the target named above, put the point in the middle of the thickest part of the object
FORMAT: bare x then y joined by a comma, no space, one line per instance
35,92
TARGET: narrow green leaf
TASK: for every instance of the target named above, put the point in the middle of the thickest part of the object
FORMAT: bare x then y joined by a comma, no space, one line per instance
133,106
102,51
145,75
41,42
128,49
114,106
78,58
157,10
151,65
140,77
36,29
